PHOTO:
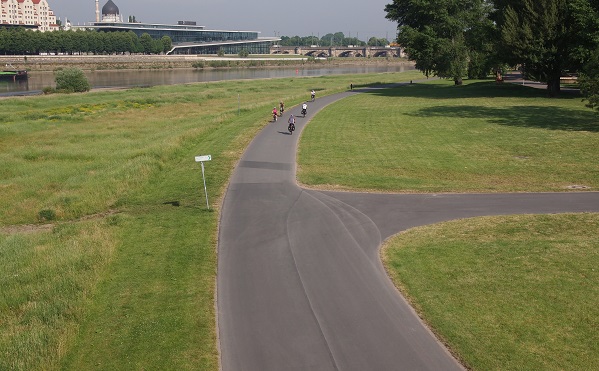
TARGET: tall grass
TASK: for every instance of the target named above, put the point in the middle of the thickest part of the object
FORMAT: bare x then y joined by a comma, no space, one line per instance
107,252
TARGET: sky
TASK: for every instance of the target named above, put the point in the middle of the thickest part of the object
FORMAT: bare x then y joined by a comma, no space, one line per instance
364,18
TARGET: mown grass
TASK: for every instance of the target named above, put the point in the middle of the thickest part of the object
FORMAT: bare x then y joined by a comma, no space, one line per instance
512,293
436,137
107,253
517,292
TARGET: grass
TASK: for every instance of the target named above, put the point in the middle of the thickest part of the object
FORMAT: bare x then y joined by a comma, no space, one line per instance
514,292
107,251
101,269
435,137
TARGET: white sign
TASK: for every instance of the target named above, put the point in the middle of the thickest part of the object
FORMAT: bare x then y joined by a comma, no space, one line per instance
203,158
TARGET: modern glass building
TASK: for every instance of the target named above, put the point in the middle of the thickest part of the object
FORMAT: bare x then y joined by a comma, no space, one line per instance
189,38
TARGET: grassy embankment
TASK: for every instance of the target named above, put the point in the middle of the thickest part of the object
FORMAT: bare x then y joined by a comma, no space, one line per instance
517,292
107,251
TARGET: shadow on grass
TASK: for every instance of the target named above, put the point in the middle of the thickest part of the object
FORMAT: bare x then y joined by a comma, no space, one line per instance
551,118
546,117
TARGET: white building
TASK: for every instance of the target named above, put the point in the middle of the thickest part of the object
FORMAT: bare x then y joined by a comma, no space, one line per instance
110,12
28,13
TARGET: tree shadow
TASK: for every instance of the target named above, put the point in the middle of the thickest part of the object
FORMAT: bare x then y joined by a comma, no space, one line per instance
479,89
550,118
533,115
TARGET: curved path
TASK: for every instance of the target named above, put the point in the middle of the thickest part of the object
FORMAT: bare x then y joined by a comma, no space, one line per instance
300,282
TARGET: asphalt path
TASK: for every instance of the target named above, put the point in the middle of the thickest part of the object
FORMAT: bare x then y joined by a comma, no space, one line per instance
300,281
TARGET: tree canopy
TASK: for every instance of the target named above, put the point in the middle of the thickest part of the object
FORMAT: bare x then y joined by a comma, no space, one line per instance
331,39
452,39
22,41
436,33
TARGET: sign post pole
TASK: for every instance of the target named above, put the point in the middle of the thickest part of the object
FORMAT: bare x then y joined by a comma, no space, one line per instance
201,160
205,191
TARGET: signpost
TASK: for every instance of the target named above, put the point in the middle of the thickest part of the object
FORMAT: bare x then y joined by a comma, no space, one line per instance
202,159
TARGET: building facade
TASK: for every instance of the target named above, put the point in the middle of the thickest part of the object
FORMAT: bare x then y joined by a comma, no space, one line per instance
28,13
186,36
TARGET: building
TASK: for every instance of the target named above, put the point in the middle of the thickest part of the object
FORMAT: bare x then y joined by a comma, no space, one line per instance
34,14
187,37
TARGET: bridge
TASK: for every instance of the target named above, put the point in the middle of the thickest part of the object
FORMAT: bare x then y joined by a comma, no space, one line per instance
339,51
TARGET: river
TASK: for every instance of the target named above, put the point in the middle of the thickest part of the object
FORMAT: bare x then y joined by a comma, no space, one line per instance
132,78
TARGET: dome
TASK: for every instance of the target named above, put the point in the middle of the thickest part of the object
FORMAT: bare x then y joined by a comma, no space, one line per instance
110,8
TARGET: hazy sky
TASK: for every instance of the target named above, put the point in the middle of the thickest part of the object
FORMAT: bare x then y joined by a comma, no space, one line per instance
365,18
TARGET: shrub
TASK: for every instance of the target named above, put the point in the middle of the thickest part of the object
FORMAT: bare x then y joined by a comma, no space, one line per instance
72,80
243,53
217,64
48,90
46,215
198,64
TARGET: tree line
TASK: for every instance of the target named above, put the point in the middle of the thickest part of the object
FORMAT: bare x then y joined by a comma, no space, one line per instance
20,41
458,38
331,39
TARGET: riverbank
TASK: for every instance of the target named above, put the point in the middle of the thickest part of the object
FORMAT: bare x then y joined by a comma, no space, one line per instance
118,62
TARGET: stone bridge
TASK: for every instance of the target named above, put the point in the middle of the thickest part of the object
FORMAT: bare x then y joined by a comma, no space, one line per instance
339,51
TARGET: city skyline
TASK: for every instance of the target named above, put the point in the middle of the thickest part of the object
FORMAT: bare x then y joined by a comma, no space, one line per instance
283,18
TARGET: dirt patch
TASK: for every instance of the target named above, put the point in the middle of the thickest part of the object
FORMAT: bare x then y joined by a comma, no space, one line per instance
35,228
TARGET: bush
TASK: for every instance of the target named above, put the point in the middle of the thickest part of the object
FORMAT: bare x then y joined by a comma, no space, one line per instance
48,90
216,64
198,64
46,215
72,80
244,53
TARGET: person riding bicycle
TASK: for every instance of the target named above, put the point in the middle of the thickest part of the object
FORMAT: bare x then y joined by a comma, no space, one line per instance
274,113
281,108
304,109
313,95
291,122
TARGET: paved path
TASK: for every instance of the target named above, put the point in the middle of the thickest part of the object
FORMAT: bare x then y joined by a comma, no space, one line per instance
300,282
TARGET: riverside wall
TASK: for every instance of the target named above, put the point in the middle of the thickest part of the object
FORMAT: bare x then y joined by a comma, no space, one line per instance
94,62
113,62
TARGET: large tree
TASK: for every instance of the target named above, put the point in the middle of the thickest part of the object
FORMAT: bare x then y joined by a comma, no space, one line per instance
548,37
436,34
589,81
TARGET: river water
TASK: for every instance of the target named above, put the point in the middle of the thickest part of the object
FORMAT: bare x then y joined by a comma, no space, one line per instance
132,78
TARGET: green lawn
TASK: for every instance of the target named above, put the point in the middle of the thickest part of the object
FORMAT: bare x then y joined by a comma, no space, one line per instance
436,137
107,252
514,292
511,293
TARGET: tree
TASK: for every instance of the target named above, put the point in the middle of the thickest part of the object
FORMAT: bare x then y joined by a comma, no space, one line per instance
549,37
147,43
167,44
435,33
72,80
373,41
589,81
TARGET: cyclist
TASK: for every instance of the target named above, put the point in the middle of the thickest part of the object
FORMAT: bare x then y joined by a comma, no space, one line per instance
313,95
291,122
304,109
281,108
274,114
